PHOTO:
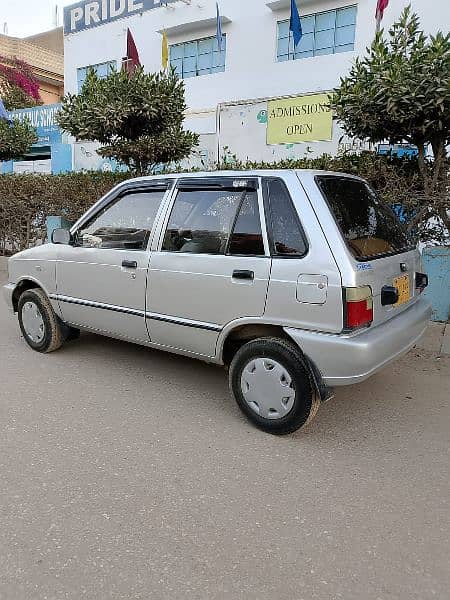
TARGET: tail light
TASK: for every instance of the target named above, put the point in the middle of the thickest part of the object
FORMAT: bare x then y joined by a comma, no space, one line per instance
358,307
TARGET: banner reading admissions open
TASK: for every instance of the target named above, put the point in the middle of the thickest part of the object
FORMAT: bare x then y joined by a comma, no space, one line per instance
301,119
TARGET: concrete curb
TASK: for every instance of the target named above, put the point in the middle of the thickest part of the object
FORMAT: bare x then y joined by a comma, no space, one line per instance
445,348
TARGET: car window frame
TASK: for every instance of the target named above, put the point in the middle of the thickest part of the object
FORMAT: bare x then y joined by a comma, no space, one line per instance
269,222
236,219
166,185
214,183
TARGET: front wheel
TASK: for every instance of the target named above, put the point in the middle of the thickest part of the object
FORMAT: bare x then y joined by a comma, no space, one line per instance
272,385
38,322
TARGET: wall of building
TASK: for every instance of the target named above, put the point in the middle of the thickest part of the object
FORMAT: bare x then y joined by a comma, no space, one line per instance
252,72
50,93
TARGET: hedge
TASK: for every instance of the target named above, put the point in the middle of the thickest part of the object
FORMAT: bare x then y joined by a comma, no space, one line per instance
26,200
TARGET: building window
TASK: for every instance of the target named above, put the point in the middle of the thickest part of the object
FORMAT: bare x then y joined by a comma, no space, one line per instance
102,70
323,33
200,57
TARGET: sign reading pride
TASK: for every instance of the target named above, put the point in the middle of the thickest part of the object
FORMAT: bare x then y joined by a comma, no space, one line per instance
92,13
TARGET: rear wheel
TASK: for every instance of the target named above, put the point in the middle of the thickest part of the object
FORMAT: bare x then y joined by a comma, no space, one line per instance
272,385
38,322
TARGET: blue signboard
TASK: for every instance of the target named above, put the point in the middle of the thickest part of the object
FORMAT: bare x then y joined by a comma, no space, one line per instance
399,150
92,13
42,118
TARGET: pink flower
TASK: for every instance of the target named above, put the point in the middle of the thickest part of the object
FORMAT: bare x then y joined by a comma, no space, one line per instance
19,73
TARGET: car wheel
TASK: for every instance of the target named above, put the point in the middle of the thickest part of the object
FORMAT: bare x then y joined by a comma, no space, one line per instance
38,322
272,385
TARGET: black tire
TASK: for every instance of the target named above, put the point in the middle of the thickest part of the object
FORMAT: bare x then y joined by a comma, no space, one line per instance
52,333
306,401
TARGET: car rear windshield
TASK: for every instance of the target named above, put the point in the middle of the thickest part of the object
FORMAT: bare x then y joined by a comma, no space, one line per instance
370,228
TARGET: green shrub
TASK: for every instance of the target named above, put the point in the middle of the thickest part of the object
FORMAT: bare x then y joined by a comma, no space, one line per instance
26,201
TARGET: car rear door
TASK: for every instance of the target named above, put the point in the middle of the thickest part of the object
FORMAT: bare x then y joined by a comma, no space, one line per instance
211,264
305,289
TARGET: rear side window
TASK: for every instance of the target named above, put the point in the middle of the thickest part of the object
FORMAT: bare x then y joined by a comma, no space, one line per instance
369,227
215,222
287,237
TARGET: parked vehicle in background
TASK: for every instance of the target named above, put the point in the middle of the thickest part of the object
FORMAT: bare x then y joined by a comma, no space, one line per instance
297,281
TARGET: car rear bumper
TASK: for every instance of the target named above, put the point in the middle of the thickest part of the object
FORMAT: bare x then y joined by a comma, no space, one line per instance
348,359
8,290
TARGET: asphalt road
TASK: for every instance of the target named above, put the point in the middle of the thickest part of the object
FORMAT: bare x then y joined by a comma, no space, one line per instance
126,473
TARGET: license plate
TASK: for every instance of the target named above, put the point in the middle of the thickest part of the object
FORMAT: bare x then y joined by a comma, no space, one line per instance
402,284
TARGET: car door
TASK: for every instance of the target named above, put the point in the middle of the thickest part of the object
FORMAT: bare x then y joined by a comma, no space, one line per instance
101,277
211,265
305,288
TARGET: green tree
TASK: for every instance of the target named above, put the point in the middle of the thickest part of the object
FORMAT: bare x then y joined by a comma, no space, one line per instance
16,137
136,117
400,92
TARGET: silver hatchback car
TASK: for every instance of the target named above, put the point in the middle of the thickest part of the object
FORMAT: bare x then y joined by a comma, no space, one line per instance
297,281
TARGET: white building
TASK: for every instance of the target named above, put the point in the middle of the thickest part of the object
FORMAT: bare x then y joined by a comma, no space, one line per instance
228,92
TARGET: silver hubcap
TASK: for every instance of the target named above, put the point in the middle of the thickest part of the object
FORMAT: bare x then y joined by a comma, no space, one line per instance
267,388
32,322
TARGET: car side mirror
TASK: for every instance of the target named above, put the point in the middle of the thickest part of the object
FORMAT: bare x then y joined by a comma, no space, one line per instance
61,236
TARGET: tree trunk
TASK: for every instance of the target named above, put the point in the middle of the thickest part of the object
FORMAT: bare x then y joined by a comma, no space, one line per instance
435,183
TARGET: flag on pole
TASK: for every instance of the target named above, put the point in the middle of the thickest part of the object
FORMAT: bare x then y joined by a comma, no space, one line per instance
219,28
131,60
295,24
165,51
381,7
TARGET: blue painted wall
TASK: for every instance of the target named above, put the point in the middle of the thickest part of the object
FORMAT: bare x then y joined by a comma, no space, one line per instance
61,158
436,262
49,134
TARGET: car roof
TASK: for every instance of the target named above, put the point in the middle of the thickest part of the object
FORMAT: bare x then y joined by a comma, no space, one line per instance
237,173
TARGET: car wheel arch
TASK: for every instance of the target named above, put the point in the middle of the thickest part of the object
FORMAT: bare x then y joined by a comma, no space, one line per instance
22,286
241,334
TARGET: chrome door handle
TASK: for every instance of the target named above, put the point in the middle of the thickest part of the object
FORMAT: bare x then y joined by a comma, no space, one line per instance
129,264
243,275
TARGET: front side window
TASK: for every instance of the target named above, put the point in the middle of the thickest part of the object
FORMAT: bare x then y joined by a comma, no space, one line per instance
287,237
215,222
124,225
369,227
102,70
327,32
200,57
